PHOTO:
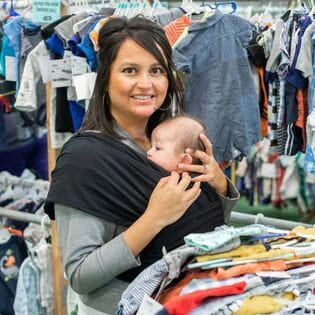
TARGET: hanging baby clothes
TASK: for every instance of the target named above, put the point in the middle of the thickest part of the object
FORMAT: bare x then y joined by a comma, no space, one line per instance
211,54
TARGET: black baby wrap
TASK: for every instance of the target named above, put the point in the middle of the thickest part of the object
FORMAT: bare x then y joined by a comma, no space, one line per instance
104,177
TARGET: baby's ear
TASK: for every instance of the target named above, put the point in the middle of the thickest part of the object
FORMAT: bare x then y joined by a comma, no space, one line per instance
186,158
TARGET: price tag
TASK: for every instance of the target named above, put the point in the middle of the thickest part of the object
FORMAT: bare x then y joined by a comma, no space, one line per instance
10,74
149,306
79,65
61,74
84,85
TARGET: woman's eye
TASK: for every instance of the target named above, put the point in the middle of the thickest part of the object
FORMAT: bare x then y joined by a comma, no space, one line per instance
157,70
129,70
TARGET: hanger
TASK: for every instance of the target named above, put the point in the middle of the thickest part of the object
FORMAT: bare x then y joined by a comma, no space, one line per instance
217,4
5,235
111,4
12,12
27,12
157,8
190,7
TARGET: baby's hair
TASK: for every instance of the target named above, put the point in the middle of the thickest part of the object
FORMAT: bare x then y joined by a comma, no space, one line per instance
186,137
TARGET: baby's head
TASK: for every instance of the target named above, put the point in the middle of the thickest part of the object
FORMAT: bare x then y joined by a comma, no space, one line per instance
171,138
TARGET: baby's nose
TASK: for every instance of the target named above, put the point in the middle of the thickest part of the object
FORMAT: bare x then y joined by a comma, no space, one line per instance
149,152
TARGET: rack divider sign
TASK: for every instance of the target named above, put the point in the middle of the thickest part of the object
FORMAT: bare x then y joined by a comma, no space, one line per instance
46,11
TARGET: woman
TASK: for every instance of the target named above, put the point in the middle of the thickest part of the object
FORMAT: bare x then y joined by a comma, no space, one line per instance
114,208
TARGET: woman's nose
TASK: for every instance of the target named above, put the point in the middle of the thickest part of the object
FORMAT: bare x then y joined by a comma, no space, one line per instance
144,81
149,152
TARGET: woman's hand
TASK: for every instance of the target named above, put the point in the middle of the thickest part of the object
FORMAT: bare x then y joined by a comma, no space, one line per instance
209,170
168,202
170,198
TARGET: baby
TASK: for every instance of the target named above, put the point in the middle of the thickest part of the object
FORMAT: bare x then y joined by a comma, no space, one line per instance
170,139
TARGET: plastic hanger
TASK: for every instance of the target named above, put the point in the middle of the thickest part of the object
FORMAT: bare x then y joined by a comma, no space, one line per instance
27,12
5,235
190,7
157,8
216,5
12,12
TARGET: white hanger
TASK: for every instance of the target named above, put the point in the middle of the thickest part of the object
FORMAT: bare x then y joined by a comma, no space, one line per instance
190,7
111,3
27,12
5,235
157,8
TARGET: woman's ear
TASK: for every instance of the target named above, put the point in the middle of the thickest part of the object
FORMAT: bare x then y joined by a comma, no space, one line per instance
186,158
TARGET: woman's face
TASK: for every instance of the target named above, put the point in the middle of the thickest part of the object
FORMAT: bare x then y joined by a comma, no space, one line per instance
137,84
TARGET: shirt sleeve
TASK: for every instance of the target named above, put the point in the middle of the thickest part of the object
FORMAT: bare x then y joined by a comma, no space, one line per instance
181,56
229,201
92,254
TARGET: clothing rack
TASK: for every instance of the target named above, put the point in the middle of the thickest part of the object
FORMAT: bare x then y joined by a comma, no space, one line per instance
243,218
24,217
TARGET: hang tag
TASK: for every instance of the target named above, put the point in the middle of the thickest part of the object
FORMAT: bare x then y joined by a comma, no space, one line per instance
61,75
149,306
44,67
10,67
84,85
269,170
78,65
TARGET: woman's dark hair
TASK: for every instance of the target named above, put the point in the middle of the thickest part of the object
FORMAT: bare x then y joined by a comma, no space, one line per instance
152,38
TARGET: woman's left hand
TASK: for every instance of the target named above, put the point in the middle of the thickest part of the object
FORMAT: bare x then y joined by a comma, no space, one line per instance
209,170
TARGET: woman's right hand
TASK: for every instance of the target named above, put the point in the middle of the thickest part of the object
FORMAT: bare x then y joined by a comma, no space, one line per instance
170,199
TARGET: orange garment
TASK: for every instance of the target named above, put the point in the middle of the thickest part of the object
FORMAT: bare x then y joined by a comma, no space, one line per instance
14,231
264,107
235,271
301,99
95,33
174,29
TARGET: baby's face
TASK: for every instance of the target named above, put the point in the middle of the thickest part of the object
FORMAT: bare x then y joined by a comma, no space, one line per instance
163,148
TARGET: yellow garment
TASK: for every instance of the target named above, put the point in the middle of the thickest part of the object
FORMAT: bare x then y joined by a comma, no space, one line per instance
289,296
262,304
270,254
304,230
242,251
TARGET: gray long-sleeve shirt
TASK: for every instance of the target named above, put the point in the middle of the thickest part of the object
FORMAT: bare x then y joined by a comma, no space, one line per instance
94,252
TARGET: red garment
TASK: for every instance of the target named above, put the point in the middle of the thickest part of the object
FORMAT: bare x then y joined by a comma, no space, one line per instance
6,103
301,99
175,290
182,305
176,28
264,109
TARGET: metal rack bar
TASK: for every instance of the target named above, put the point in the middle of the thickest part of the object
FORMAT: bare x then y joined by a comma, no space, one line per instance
244,218
24,217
